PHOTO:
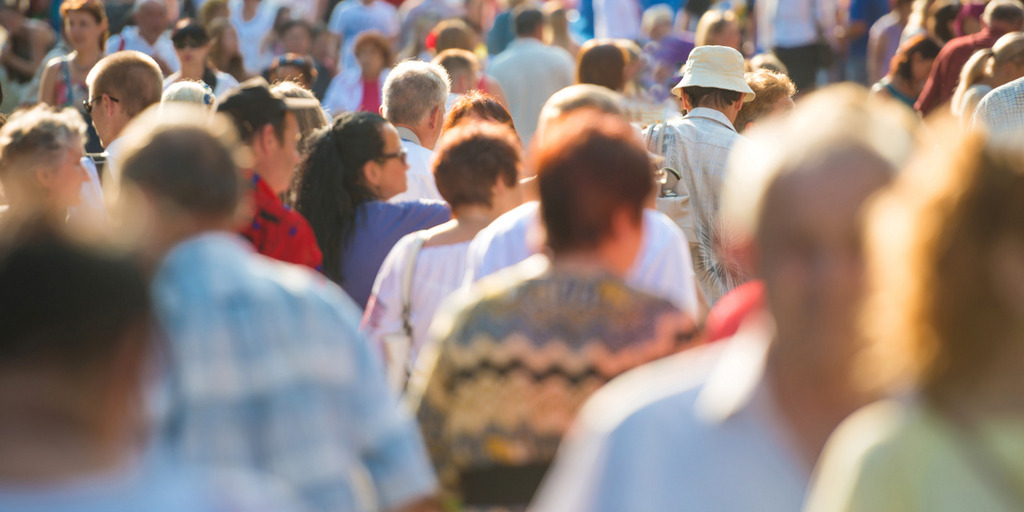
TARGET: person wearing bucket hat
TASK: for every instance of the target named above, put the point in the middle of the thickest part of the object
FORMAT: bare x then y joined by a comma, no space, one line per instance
713,90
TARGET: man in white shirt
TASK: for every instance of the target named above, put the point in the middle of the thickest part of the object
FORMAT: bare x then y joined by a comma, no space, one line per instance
662,267
353,17
530,71
791,29
713,90
253,20
413,101
149,36
738,424
121,86
1001,112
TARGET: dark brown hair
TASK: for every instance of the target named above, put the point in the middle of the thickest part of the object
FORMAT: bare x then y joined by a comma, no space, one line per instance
477,104
471,158
374,39
601,62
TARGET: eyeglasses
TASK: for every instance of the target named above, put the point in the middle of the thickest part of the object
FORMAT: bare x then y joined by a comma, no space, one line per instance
88,104
400,154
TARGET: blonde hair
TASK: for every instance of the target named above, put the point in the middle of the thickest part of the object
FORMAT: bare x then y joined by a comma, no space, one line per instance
1008,48
33,140
188,91
974,72
837,119
934,315
712,23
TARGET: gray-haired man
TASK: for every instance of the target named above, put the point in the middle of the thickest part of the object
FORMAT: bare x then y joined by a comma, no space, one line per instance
413,100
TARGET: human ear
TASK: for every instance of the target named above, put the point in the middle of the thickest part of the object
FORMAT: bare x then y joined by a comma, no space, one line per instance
371,173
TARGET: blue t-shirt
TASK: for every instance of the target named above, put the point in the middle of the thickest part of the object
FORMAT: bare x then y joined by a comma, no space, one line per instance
867,11
155,484
378,227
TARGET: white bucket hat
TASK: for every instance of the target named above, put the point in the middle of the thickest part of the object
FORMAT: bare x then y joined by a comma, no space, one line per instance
720,67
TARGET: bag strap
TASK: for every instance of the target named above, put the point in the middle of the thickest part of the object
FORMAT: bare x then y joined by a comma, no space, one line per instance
410,267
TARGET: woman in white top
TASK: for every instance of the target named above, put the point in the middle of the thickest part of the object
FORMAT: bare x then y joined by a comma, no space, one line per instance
477,171
192,45
987,69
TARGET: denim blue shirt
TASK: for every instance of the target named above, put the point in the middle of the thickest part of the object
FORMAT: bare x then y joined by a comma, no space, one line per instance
269,372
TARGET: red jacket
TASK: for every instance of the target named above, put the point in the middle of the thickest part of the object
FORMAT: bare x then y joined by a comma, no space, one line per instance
945,73
279,232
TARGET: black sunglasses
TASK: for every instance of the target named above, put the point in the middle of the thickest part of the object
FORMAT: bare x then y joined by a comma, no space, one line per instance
189,42
88,104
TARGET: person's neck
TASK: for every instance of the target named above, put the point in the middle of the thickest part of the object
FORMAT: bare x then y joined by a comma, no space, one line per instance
86,58
249,9
45,441
584,263
371,75
151,37
811,403
422,135
192,70
466,222
996,391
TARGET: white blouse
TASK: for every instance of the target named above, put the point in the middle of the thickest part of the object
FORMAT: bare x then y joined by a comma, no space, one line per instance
439,271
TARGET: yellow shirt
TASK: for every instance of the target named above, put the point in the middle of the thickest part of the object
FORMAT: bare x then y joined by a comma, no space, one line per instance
902,457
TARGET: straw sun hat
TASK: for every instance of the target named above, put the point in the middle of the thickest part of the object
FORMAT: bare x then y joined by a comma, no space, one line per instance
719,67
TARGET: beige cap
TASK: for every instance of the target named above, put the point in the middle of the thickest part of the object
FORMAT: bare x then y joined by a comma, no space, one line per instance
720,67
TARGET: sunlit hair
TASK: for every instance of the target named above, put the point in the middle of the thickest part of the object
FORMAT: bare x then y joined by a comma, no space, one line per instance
93,8
477,105
658,14
837,119
936,313
769,88
471,158
601,62
590,166
973,72
923,45
32,141
713,23
453,34
576,97
188,91
130,76
413,90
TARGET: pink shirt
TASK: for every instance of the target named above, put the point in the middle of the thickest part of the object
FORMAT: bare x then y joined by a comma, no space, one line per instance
371,96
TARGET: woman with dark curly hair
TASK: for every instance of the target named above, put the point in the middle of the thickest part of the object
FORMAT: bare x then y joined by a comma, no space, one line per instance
352,169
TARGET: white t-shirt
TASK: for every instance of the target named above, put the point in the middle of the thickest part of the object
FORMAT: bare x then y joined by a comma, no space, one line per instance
663,266
439,271
419,178
252,33
351,18
129,39
224,82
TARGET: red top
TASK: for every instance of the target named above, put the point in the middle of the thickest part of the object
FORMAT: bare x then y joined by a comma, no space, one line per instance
371,96
945,73
733,308
279,232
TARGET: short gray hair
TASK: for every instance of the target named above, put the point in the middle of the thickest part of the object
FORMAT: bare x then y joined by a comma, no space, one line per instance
37,138
1010,11
838,120
412,90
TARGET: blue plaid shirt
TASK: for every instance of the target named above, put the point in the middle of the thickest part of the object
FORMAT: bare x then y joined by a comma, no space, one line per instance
268,371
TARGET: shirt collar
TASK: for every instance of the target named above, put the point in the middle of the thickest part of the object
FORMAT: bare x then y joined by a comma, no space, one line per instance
203,243
407,135
526,41
712,114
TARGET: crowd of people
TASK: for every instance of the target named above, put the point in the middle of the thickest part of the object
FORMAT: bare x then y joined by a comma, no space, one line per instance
440,255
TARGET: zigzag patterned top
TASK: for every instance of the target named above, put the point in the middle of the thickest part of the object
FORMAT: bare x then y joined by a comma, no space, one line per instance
516,365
